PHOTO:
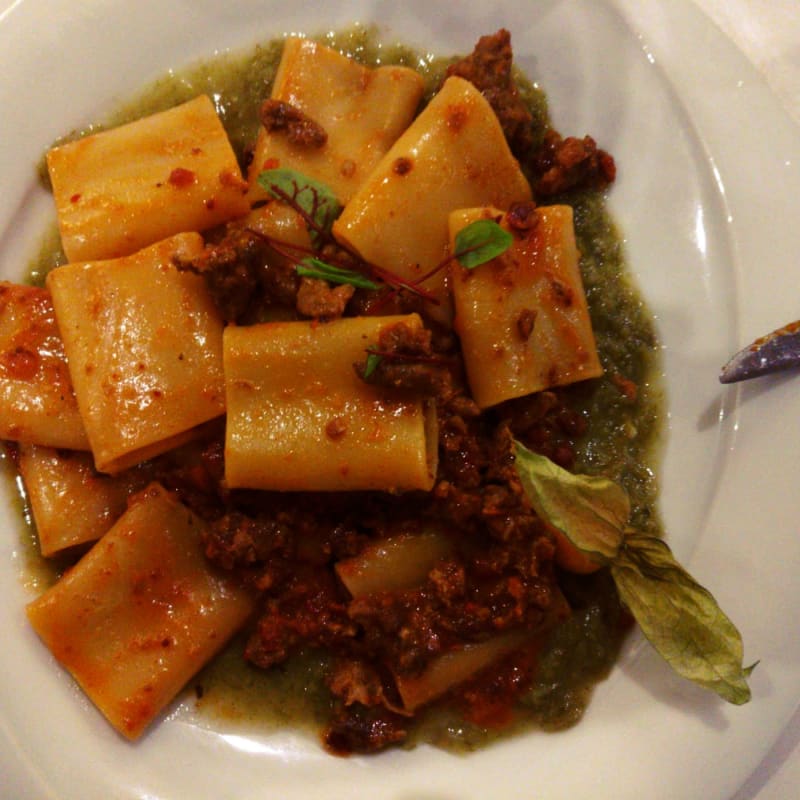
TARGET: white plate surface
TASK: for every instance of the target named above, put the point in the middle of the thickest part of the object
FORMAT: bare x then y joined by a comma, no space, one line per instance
709,176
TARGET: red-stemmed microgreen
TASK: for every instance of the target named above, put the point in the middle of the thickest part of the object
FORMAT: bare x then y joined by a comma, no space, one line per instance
477,243
321,270
481,241
313,200
299,256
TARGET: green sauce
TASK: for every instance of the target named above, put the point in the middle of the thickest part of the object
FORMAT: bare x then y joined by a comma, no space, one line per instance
623,440
621,443
290,694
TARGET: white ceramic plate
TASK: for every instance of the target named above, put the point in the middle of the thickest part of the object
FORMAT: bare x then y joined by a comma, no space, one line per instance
708,179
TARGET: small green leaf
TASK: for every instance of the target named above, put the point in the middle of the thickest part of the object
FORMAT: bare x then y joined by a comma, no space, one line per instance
316,268
373,359
590,511
679,617
481,241
313,199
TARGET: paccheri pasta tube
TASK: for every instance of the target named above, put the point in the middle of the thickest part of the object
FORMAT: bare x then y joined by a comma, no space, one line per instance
144,344
72,504
454,155
522,317
141,613
37,402
330,117
299,418
123,189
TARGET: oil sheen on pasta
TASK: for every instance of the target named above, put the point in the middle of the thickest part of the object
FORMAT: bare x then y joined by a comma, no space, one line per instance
622,441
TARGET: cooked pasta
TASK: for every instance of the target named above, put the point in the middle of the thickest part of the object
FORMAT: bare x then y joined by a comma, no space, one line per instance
144,347
299,418
454,155
141,612
126,188
301,428
395,563
522,318
37,402
71,503
356,112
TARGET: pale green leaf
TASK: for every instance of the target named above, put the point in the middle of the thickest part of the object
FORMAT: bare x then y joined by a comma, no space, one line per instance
680,618
590,511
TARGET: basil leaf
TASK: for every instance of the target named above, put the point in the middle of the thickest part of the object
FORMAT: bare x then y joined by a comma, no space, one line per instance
316,268
481,241
313,199
590,511
680,618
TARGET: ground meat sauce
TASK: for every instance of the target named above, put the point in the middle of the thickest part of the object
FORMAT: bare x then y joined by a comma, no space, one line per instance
311,639
275,115
499,577
409,362
560,165
317,299
241,277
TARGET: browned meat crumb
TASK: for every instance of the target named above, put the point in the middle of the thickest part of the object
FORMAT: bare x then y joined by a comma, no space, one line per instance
522,217
315,298
359,729
408,362
276,115
563,164
243,274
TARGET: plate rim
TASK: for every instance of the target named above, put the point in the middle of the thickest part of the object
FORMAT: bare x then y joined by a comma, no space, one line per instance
741,417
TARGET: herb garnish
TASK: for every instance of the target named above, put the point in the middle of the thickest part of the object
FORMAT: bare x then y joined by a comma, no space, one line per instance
317,205
315,201
481,241
321,270
477,243
679,617
373,360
